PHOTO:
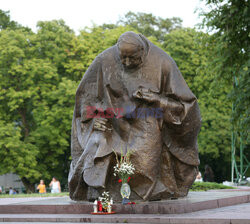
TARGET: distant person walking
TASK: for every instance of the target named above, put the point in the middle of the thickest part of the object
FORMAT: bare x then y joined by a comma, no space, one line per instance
55,186
11,191
198,177
41,187
208,175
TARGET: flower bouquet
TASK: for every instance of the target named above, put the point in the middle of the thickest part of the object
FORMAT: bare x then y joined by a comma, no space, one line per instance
105,201
124,169
104,205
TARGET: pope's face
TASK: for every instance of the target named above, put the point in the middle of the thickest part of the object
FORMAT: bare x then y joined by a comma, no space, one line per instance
131,56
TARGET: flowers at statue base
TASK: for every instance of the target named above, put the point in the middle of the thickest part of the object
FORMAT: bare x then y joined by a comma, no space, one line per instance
104,202
124,168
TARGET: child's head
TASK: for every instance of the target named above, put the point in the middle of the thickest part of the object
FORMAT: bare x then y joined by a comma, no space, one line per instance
41,182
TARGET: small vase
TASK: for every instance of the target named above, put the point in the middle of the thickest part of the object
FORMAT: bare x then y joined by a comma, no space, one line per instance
125,193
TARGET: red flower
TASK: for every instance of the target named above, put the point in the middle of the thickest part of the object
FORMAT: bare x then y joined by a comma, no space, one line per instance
131,203
128,179
120,180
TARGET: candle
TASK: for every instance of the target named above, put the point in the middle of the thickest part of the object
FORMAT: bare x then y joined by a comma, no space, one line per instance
109,208
99,203
95,206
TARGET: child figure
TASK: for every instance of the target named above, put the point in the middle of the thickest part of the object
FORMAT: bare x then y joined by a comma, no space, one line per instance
41,187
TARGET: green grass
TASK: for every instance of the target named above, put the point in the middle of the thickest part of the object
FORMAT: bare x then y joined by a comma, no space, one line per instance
34,195
205,186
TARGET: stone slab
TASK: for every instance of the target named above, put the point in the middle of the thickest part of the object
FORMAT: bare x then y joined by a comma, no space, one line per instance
195,201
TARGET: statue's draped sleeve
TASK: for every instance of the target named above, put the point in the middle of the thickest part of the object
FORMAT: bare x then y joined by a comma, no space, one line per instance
181,115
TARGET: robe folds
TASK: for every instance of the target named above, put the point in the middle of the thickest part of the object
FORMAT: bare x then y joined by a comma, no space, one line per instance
162,136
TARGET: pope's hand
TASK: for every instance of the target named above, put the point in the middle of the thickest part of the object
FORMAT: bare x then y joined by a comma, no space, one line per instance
101,124
146,95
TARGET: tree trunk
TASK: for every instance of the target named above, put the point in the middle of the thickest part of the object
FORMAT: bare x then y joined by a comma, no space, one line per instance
24,123
30,188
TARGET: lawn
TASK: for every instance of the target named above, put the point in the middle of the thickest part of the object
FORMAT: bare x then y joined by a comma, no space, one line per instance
205,186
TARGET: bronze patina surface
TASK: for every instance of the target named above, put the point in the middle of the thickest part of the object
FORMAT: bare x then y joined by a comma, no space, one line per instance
144,105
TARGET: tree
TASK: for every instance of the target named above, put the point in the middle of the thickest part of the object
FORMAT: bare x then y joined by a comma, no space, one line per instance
37,98
185,46
230,21
16,152
147,24
6,22
190,51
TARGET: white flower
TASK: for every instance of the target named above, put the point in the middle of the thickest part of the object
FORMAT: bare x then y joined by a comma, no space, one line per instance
124,169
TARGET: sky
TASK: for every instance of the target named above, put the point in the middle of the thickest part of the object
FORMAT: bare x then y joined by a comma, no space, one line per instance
80,13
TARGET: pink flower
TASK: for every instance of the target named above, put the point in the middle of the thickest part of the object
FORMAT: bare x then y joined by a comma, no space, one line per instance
120,180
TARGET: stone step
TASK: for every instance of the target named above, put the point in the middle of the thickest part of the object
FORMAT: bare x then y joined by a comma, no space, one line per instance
122,218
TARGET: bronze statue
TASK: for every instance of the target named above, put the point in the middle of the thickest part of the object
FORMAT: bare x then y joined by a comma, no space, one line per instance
134,97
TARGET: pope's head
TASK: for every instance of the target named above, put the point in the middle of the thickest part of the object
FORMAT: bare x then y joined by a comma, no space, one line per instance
131,49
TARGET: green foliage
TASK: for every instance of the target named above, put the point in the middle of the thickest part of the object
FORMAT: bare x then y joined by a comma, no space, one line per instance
147,24
192,55
240,95
185,46
230,21
16,154
37,98
205,186
6,22
150,25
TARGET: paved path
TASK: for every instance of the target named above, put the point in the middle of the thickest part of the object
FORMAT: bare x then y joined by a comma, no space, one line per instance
29,200
192,197
237,214
195,201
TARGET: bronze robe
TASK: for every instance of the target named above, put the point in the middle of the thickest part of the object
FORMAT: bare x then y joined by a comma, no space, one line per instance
165,152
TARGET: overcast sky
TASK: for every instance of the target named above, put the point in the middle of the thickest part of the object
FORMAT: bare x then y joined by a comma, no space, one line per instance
80,13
